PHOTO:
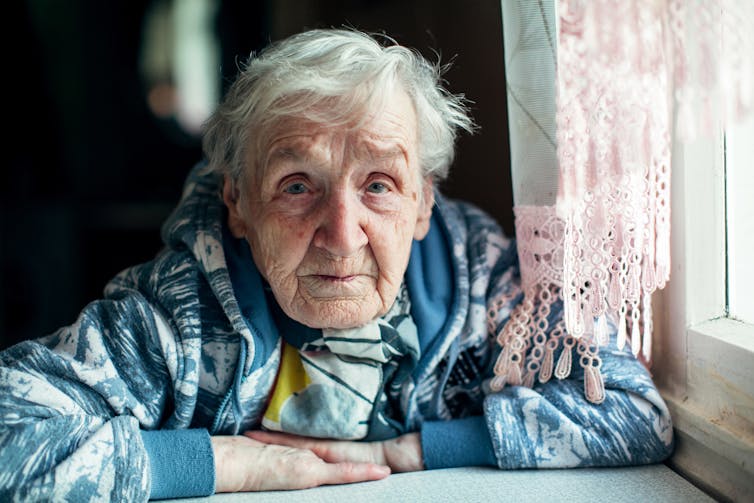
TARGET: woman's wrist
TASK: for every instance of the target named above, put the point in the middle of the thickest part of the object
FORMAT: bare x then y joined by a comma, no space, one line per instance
225,449
404,453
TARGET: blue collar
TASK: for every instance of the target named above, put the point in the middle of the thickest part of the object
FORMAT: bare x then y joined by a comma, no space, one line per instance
429,279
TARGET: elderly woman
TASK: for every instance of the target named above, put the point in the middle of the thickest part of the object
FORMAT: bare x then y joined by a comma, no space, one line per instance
318,315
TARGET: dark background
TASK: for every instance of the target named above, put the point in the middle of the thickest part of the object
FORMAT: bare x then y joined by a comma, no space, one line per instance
92,173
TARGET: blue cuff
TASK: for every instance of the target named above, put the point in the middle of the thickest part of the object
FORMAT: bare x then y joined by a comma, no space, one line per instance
181,463
458,442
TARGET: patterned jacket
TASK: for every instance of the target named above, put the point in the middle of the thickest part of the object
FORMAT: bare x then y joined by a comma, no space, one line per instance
170,346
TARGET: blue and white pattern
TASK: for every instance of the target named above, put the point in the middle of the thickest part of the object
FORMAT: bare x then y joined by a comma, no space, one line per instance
169,348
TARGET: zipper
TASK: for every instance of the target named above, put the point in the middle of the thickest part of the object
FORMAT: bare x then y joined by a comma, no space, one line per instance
221,411
233,393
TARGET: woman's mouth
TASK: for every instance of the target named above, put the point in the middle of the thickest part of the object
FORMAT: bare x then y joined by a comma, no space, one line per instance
337,286
336,279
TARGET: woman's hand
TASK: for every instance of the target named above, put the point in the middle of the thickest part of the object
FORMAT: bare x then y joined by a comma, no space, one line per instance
401,454
245,464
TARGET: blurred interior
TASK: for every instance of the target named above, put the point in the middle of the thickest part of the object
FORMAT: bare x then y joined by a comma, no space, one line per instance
106,101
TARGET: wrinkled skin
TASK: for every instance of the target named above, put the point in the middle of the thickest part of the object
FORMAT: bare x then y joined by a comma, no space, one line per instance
329,216
266,461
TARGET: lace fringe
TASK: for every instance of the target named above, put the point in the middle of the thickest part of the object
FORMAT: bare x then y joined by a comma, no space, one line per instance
529,343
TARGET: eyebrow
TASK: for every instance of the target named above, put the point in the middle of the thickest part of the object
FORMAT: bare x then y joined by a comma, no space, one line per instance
288,152
285,153
391,150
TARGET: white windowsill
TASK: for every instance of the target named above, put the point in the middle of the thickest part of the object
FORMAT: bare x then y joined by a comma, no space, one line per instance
713,418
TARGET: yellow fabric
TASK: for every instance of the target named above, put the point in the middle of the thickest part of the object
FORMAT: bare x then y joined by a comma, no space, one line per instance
291,379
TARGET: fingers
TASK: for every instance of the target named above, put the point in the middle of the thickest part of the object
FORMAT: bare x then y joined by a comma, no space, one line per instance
243,463
293,468
332,451
304,467
349,473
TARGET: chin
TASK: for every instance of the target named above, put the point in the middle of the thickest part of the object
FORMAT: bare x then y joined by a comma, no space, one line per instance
339,314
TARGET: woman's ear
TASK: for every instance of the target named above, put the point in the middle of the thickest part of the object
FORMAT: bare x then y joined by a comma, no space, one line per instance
231,197
425,210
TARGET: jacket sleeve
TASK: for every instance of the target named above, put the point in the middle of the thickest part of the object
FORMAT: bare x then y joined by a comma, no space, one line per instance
552,425
72,405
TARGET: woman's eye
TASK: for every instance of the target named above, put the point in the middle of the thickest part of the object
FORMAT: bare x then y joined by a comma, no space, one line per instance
377,188
295,188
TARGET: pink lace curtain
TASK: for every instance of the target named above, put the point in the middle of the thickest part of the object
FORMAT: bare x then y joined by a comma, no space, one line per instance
593,88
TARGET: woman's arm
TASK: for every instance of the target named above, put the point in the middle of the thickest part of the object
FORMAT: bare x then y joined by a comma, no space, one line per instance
554,426
72,403
80,412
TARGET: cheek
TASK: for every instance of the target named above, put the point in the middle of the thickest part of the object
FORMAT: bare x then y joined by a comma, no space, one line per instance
300,233
391,245
278,247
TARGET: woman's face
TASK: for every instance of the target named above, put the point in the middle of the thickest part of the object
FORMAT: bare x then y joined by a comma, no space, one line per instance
331,214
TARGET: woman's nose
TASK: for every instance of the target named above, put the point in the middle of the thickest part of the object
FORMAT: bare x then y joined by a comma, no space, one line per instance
341,228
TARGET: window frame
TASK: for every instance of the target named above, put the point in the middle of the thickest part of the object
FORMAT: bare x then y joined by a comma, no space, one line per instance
739,179
704,360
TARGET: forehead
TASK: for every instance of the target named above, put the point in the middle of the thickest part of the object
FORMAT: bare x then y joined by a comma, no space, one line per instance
391,128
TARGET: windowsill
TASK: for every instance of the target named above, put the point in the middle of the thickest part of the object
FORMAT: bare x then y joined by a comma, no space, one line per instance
720,373
736,334
714,418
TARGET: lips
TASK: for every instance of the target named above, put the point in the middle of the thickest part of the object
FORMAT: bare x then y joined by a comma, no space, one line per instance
337,286
336,278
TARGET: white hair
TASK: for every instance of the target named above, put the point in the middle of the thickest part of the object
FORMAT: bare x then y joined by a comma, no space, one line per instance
332,77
